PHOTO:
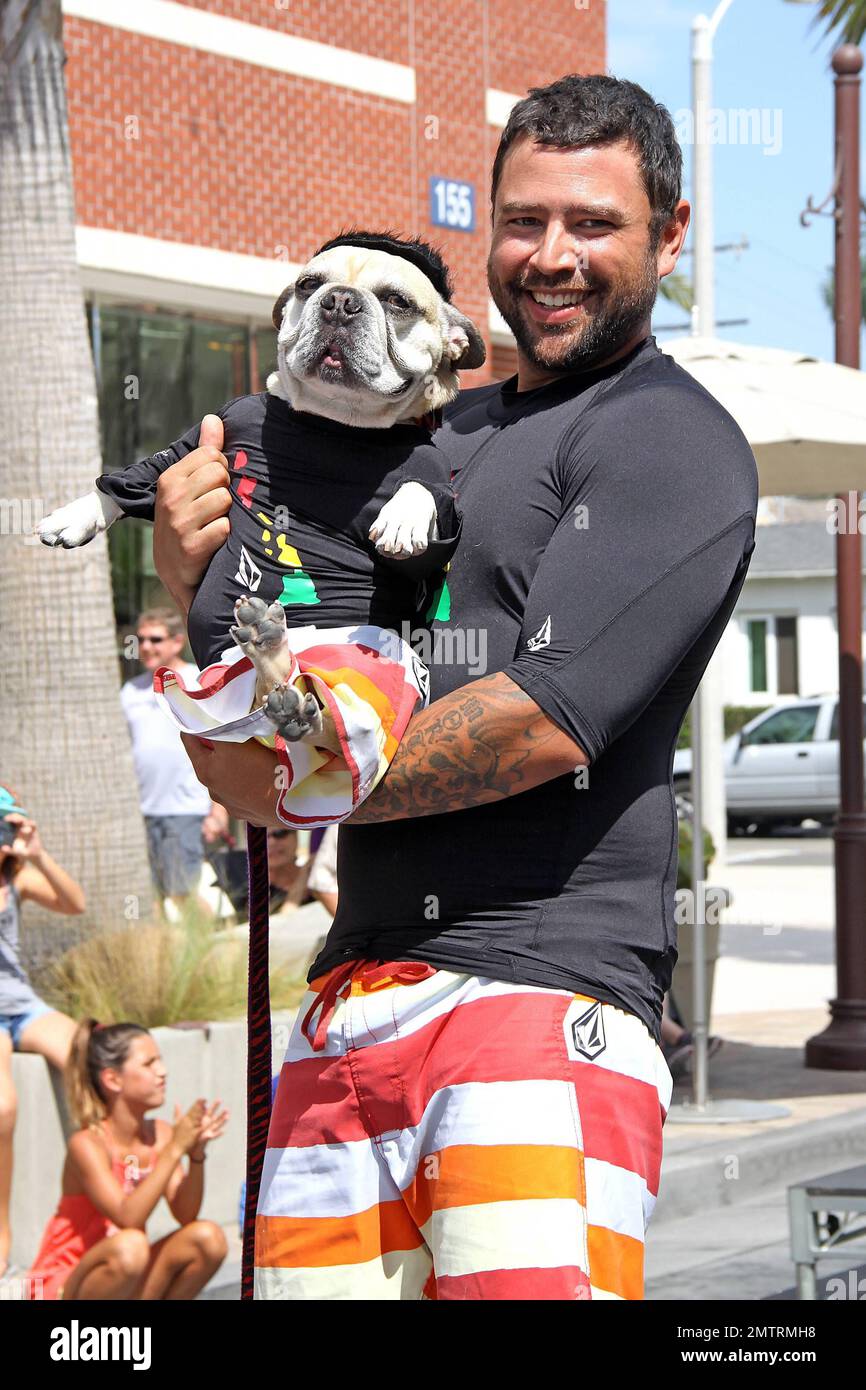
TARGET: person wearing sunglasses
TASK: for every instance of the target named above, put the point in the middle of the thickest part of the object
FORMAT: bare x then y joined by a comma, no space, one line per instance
179,816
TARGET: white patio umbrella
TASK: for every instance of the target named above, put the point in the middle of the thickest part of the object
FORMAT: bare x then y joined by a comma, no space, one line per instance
805,420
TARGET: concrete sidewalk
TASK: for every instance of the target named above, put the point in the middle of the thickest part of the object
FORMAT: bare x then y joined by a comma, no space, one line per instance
777,938
720,1227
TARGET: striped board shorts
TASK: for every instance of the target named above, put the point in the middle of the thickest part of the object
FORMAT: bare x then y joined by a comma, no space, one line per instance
446,1136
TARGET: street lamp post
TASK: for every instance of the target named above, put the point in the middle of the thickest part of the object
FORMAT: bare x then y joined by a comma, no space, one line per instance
707,741
842,1044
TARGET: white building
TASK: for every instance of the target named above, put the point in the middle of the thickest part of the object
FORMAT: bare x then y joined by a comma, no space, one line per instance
782,638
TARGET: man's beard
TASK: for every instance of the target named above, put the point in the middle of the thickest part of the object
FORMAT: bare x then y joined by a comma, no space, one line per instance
619,314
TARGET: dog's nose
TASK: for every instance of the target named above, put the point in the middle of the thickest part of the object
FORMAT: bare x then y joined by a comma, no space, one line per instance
340,304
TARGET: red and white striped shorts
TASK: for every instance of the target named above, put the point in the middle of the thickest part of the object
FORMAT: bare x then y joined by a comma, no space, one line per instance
448,1136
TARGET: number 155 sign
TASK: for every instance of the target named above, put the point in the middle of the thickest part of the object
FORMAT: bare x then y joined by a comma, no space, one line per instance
452,204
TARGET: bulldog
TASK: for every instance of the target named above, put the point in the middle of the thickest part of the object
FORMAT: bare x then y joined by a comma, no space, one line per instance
339,498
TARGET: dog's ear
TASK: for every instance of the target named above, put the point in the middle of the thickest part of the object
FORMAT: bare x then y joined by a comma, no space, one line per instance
464,345
280,305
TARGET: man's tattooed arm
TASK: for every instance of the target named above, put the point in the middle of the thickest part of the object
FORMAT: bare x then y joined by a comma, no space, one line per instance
481,743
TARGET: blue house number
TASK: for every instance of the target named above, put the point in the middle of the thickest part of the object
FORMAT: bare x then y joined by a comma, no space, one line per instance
452,204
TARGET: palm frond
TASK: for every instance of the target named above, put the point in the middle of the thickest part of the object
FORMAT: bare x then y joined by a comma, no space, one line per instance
845,19
677,289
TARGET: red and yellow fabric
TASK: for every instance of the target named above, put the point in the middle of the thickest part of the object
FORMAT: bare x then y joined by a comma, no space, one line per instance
368,682
444,1136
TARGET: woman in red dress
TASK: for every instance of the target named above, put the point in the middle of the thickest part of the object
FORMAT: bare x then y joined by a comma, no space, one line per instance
118,1166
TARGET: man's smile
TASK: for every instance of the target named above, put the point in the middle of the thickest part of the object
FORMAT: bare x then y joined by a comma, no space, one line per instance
555,306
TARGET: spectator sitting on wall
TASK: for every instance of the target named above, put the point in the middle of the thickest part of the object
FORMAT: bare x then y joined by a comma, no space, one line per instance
27,1023
179,816
118,1166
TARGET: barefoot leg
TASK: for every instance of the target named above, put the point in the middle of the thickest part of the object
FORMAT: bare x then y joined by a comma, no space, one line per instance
111,1269
50,1035
7,1126
182,1263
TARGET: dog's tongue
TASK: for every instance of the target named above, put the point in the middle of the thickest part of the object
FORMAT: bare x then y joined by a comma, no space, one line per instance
333,355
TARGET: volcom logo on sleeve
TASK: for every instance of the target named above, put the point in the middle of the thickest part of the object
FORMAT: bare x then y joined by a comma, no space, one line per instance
249,574
587,1032
541,638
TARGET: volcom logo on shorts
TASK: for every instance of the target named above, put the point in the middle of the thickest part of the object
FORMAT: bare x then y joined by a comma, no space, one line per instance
588,1033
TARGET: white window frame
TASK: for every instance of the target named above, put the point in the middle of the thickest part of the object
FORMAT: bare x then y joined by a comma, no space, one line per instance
772,652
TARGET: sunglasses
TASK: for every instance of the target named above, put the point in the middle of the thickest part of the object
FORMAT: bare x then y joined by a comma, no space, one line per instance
153,641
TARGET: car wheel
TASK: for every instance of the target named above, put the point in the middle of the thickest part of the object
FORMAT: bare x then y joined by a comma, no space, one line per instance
764,828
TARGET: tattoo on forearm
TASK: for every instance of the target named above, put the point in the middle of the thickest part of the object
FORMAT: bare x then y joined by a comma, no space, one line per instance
471,747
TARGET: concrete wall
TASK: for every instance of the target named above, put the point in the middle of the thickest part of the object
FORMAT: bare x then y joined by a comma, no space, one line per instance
207,1061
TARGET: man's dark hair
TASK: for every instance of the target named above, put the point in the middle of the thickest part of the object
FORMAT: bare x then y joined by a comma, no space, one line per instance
576,111
427,259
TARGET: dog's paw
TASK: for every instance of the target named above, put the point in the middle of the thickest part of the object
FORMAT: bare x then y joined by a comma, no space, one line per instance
407,524
294,716
73,525
261,627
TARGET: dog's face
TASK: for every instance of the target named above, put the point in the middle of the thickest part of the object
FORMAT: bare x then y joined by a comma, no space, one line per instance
364,337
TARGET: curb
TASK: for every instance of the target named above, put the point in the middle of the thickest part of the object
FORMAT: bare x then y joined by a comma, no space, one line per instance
697,1182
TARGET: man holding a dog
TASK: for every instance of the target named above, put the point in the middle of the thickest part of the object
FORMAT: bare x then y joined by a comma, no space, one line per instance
473,1097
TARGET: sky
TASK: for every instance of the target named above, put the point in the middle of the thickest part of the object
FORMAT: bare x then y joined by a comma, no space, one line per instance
768,56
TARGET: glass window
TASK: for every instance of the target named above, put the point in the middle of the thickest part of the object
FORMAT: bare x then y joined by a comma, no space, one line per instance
757,630
834,723
786,657
159,374
266,355
795,725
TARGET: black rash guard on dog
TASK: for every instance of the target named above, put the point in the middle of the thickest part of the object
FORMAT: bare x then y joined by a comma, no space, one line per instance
608,523
331,481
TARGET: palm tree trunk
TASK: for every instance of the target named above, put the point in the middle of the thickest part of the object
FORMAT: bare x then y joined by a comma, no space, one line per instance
64,744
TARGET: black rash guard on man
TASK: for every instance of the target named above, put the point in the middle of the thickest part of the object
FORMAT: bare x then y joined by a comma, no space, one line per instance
608,524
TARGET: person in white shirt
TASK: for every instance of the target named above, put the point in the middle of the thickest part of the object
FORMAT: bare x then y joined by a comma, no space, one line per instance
323,875
179,816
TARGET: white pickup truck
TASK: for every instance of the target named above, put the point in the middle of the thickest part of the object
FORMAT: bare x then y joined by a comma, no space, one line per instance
781,768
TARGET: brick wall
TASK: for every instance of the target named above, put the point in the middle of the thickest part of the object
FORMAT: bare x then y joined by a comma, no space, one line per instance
227,155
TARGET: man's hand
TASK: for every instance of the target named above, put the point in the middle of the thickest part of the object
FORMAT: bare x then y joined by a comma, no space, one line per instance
242,777
481,743
190,516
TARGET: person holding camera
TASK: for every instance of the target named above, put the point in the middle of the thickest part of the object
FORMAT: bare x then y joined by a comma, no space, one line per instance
27,1023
